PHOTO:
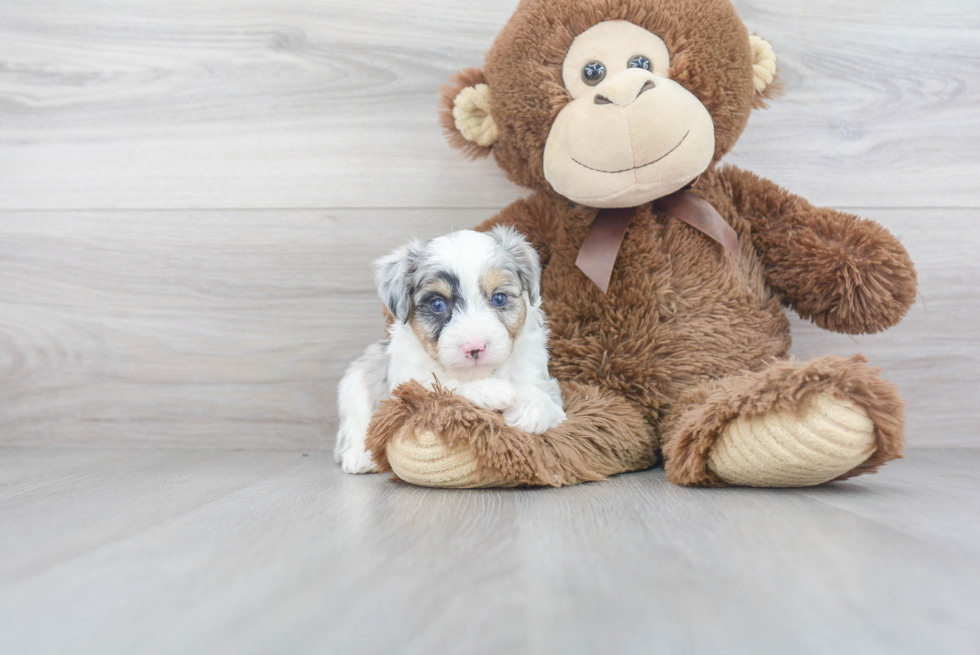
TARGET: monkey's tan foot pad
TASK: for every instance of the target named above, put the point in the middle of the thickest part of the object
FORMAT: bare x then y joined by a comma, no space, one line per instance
422,458
786,448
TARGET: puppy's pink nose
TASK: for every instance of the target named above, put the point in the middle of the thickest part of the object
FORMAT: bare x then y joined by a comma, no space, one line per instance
474,350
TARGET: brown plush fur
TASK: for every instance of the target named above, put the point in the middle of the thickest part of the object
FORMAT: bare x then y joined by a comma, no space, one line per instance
845,273
705,409
586,447
687,337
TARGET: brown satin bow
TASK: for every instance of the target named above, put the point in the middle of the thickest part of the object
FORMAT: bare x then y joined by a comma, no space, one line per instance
597,255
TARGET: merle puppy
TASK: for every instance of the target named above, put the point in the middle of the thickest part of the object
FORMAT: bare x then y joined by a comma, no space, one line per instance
467,312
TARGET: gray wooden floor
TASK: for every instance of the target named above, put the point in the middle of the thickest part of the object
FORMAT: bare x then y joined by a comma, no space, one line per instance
176,551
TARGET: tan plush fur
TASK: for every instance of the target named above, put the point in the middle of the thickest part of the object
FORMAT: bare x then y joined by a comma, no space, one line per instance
799,446
458,82
687,339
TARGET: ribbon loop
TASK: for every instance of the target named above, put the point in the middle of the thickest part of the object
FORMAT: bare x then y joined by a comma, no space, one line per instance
597,256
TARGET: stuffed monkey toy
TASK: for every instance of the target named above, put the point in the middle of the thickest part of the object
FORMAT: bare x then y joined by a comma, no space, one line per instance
665,273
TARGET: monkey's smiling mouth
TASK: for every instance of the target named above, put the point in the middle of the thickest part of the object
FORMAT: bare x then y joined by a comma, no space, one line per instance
635,168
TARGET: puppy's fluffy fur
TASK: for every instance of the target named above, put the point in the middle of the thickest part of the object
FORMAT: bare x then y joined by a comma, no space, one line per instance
467,311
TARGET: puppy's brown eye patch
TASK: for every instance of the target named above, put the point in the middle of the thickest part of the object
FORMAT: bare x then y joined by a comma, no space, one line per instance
497,280
436,287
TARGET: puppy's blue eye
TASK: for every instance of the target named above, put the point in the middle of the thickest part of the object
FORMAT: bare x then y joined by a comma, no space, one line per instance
499,299
438,305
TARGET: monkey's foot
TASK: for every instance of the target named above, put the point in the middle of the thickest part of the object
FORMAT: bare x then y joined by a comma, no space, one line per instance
790,424
787,448
436,438
421,457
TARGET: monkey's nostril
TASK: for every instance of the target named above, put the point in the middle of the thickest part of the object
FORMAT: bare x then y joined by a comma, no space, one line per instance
602,100
647,86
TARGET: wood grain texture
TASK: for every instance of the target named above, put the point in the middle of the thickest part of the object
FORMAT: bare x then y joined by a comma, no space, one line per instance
231,328
314,103
257,552
189,328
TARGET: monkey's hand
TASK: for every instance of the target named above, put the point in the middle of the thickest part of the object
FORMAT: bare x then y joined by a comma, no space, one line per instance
845,273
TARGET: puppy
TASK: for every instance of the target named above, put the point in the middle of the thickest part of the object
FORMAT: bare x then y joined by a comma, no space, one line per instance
467,312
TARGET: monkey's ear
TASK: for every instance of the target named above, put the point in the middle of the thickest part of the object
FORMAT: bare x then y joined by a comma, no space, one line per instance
465,113
767,86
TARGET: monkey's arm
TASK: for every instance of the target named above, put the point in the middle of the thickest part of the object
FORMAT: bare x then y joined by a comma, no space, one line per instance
845,273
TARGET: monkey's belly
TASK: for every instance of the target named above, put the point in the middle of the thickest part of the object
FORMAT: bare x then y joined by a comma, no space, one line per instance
652,361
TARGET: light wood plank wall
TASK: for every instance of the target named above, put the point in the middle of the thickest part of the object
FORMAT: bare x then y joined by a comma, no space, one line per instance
191,194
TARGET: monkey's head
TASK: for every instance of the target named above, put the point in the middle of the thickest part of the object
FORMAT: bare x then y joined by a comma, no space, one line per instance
611,103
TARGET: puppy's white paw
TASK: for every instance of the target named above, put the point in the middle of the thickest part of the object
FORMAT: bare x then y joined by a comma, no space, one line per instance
357,461
533,416
493,394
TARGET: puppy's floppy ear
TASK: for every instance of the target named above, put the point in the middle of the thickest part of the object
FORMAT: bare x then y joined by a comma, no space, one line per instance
393,276
764,79
464,112
526,258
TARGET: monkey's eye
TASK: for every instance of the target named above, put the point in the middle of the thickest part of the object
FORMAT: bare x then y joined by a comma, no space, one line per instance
640,61
593,73
438,305
499,300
